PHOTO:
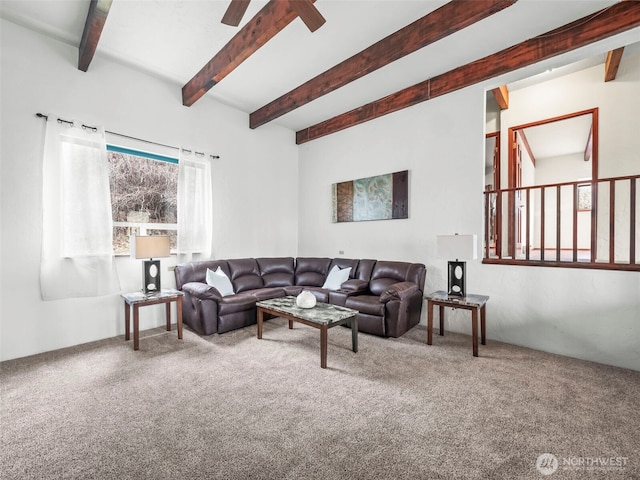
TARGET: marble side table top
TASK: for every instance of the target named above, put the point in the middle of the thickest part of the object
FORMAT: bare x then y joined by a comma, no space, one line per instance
470,299
139,297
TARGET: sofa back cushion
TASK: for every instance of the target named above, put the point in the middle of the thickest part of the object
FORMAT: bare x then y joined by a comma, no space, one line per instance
277,272
197,271
245,274
365,268
343,263
311,271
386,273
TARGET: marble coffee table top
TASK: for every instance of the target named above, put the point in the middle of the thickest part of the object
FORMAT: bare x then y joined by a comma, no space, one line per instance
322,313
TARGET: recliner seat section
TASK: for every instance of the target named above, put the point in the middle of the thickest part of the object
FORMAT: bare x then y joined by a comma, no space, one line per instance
388,295
395,293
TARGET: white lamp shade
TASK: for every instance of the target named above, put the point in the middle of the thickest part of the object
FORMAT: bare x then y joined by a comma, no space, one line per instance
155,246
460,247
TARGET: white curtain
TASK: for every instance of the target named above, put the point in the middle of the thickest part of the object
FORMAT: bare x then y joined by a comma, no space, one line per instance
77,227
195,207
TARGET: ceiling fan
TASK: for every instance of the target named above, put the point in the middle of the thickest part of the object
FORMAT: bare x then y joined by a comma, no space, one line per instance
305,9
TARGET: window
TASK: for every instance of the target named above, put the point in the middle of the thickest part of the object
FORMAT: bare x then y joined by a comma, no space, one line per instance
584,197
143,195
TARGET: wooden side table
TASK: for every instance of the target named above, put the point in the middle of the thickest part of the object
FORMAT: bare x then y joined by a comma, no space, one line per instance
139,299
471,302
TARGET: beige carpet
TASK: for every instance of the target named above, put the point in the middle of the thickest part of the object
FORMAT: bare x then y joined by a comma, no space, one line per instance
234,407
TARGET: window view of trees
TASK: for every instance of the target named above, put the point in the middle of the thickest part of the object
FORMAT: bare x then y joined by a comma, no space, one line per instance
144,198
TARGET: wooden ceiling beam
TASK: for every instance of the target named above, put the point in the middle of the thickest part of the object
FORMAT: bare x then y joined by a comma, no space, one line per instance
612,63
275,16
501,94
434,26
610,21
96,18
308,13
234,13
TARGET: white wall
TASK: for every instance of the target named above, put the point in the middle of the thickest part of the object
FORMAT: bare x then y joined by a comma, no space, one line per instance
255,198
586,314
582,313
562,168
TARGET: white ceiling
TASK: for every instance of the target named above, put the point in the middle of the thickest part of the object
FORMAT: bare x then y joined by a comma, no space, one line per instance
175,39
563,137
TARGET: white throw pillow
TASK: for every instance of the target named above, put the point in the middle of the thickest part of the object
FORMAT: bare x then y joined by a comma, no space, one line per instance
336,278
220,281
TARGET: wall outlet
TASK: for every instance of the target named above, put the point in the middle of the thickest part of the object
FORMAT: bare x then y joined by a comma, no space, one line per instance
340,252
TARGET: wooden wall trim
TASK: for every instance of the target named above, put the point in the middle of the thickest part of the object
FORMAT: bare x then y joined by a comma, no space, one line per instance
527,147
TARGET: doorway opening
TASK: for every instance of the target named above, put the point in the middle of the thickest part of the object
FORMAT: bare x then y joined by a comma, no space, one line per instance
556,153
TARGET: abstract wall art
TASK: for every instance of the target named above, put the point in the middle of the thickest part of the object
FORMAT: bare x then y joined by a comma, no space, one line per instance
383,197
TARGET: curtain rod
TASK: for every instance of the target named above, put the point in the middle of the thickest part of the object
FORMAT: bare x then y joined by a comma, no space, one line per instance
69,122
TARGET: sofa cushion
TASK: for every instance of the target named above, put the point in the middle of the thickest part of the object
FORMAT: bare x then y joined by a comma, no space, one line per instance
363,272
277,272
245,274
219,280
385,274
337,276
266,293
355,285
311,271
369,304
236,303
321,294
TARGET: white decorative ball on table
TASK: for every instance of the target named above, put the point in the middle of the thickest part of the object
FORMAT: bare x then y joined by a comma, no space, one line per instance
306,299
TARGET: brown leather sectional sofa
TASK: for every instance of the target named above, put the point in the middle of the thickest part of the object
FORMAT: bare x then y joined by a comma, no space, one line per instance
388,295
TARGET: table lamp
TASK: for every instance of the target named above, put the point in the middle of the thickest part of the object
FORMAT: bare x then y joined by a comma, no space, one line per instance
150,247
458,247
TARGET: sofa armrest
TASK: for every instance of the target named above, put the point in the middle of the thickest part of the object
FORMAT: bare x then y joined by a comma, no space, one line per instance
202,291
355,285
398,291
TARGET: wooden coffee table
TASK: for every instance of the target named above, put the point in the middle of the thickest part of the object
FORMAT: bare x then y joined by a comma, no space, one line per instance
323,316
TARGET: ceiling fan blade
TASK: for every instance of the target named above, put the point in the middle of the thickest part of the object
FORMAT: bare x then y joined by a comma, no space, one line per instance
309,14
235,12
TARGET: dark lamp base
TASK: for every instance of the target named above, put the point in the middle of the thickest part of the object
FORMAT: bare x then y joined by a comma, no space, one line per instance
457,285
151,276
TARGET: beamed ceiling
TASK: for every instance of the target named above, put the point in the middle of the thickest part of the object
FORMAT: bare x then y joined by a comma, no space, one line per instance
344,62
